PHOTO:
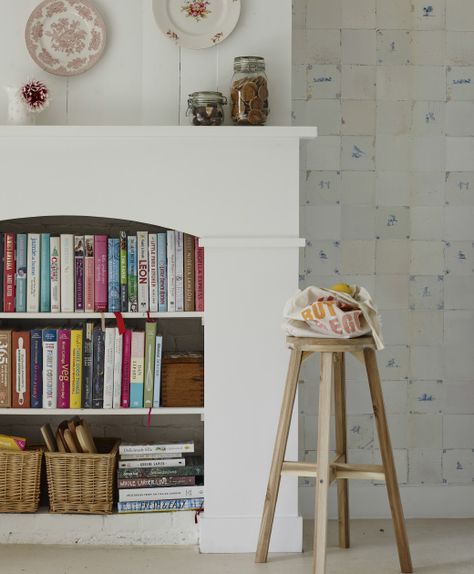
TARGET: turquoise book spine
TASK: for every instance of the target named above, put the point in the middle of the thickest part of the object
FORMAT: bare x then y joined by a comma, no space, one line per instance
45,282
21,269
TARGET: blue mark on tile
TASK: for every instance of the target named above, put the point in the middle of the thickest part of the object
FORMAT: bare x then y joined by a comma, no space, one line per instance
323,255
464,185
461,255
461,81
392,46
430,117
428,11
324,184
322,79
355,429
392,220
459,466
357,153
426,292
425,397
392,364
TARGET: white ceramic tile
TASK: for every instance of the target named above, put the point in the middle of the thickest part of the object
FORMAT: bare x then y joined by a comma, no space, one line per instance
425,431
458,327
424,466
322,222
393,152
428,153
459,362
394,83
323,46
323,258
358,222
400,457
324,81
426,327
458,466
358,82
392,222
322,187
427,363
324,153
459,257
325,114
460,188
299,82
360,431
299,13
458,222
298,47
358,187
427,188
460,48
460,82
395,326
458,431
459,292
393,47
358,14
392,256
428,83
459,15
393,188
358,398
358,47
391,292
427,223
429,15
459,153
427,258
394,117
358,117
428,47
394,14
358,257
428,118
426,397
459,398
322,14
426,292
460,118
395,396
358,153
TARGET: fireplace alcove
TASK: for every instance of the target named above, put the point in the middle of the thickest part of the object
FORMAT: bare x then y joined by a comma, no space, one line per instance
238,190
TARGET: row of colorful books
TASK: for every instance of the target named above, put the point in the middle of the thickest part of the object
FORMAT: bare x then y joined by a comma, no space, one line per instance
156,272
156,477
81,368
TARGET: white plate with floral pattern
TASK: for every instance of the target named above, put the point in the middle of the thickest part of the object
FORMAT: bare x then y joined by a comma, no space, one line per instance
65,37
198,24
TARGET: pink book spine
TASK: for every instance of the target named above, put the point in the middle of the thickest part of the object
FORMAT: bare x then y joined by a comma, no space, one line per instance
89,285
64,357
100,272
126,361
199,282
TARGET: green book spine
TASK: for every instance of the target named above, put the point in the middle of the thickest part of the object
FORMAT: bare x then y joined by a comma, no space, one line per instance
150,343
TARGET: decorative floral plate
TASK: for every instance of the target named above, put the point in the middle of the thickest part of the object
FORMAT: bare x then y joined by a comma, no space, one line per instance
65,37
198,24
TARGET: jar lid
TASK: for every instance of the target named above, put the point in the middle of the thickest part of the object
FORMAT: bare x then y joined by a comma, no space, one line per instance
207,98
249,64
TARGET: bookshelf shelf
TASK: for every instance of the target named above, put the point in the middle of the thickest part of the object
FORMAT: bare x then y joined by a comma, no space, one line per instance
85,316
101,412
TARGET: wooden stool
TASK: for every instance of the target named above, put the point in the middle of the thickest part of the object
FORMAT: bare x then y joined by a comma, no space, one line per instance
332,370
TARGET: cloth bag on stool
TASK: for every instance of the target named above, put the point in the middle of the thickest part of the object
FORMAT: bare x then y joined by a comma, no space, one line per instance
323,313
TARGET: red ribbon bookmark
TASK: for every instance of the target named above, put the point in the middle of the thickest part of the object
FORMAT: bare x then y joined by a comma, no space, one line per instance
120,322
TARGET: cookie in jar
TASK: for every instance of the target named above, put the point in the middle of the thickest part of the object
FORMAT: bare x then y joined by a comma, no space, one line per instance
249,92
206,108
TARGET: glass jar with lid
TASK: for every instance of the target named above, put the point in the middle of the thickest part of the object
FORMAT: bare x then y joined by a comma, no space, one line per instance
249,91
206,108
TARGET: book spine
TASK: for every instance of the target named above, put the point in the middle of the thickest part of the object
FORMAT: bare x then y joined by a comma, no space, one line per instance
171,271
132,275
153,271
150,343
79,299
55,273
75,399
21,369
199,282
89,283
152,463
126,362
162,273
45,274
136,369
117,370
156,482
114,274
188,470
160,505
189,273
161,493
67,272
50,368
157,383
64,368
2,268
109,367
148,456
100,273
123,272
98,369
33,276
142,262
5,368
36,375
21,270
179,271
172,448
88,366
9,273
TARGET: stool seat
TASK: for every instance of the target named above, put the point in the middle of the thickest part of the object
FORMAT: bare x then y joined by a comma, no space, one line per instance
338,469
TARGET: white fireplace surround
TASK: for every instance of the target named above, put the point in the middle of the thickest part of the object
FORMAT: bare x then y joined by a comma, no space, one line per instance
237,189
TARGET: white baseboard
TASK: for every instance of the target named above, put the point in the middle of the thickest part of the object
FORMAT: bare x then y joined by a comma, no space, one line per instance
240,534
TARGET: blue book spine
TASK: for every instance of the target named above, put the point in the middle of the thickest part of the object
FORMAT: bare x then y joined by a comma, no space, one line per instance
36,364
21,259
98,346
114,274
45,283
162,505
157,384
162,274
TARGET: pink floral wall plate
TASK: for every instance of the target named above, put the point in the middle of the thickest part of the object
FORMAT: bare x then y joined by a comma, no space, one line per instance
65,37
196,24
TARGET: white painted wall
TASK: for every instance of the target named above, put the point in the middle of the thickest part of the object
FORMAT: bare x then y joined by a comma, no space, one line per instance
143,77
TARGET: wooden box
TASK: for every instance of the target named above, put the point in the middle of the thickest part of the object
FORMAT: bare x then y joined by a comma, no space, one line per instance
182,380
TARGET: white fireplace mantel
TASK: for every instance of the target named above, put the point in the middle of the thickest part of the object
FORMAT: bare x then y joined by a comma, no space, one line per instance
237,189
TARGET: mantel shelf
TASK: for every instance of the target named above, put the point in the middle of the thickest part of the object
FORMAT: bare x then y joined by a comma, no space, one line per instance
85,316
101,412
237,132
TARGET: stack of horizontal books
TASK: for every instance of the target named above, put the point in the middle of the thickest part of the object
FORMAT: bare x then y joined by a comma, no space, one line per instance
157,477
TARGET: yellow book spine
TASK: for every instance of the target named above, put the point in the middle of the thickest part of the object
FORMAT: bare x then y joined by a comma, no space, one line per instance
12,442
76,369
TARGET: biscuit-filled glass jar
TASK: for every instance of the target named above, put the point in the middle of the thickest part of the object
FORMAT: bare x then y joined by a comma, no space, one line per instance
206,108
249,91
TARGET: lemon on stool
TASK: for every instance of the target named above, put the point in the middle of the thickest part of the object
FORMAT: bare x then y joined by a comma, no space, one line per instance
342,288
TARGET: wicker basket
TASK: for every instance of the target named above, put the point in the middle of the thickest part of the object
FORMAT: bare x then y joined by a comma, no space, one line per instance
82,483
20,473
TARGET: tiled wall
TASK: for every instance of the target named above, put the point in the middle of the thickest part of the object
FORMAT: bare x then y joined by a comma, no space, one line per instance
388,203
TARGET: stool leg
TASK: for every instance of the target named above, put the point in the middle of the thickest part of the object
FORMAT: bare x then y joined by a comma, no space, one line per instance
341,449
323,472
387,460
278,456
